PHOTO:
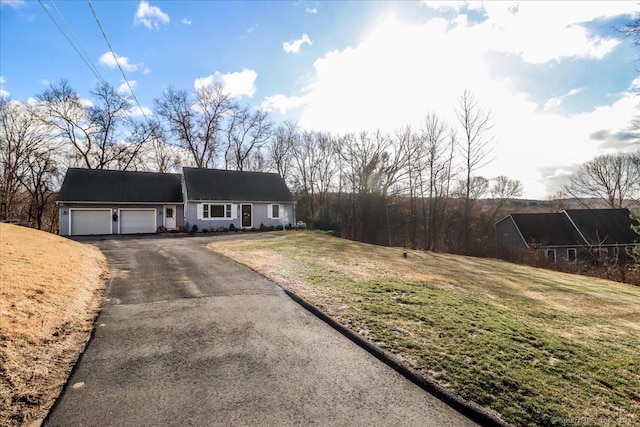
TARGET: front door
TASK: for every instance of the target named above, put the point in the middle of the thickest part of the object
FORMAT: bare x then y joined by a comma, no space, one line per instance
246,216
170,217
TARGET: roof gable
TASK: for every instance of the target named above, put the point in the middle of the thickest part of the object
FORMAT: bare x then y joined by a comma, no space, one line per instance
217,184
547,229
604,226
93,185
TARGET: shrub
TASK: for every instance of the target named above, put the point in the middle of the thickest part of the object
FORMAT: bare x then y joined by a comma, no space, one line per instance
263,227
205,230
232,227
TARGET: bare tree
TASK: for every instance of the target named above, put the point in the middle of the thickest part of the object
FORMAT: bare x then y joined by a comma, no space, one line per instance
279,149
437,145
195,120
98,132
503,190
41,180
162,156
613,178
21,135
312,172
246,132
474,148
372,165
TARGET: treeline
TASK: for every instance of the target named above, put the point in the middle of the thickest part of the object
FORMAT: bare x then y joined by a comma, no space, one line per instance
415,187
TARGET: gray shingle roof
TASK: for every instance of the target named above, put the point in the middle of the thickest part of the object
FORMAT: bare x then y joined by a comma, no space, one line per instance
216,184
548,229
92,185
604,226
598,226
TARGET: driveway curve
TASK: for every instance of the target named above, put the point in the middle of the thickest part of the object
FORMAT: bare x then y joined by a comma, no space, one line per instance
188,337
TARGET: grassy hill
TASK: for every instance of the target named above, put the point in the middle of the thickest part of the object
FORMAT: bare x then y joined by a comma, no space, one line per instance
537,346
49,294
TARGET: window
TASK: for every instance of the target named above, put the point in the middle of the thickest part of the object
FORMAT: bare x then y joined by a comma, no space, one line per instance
551,254
169,212
217,211
571,255
275,211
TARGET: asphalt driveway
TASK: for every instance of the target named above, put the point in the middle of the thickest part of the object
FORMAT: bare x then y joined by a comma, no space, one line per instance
188,337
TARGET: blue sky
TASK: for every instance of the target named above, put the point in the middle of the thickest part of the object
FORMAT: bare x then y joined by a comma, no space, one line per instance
560,82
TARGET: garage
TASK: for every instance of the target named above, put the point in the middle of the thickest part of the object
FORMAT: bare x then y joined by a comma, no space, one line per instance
84,222
133,221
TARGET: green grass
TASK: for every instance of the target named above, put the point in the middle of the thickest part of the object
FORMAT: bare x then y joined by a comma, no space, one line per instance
539,347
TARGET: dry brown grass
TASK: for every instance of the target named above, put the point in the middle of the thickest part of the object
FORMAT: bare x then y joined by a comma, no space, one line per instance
50,290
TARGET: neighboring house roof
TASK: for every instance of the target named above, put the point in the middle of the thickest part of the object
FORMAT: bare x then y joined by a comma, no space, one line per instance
603,226
226,185
580,227
93,185
548,229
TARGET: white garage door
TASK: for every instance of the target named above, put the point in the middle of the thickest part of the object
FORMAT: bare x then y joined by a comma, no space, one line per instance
137,221
94,221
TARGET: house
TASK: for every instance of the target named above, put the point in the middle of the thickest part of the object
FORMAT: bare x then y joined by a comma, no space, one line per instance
567,235
219,198
123,202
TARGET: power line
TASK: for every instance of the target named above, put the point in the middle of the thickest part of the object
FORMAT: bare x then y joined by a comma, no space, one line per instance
85,58
118,63
75,38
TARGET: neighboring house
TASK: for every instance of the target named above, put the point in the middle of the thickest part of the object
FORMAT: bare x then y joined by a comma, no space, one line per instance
567,235
121,202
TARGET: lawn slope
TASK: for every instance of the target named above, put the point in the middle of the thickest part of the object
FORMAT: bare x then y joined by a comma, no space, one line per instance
537,346
49,295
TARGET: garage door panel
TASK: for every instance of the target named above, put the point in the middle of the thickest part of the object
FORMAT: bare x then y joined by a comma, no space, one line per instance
137,221
90,221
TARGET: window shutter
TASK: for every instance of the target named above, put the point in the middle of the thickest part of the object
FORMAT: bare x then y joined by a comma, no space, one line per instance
270,211
234,211
199,211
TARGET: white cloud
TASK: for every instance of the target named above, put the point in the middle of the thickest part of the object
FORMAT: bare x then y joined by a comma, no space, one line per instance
186,21
15,4
3,92
312,10
252,29
516,27
455,5
556,102
123,89
108,59
237,83
399,72
294,45
150,16
136,112
283,103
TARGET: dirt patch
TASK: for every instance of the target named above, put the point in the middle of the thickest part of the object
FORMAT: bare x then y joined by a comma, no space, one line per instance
49,295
